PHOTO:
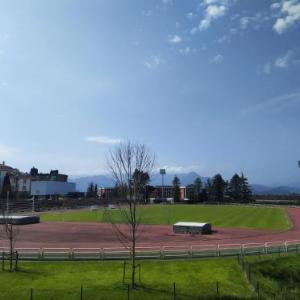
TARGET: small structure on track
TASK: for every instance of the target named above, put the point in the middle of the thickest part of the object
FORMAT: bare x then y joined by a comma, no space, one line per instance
19,220
192,228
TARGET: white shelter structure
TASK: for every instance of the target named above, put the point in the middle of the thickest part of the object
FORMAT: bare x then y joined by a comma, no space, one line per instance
192,227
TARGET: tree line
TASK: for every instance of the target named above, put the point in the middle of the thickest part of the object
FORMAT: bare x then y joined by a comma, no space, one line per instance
216,189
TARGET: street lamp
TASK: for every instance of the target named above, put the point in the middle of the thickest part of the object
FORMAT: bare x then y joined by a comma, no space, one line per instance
162,173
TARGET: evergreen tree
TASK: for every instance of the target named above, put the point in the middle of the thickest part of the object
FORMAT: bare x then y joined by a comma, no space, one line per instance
96,190
90,192
235,188
176,189
208,189
218,188
140,180
246,193
197,189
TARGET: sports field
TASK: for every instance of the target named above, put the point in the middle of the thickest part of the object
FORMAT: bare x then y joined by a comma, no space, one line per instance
103,280
227,216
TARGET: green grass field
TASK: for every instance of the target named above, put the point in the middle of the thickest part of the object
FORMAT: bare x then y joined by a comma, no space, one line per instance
103,280
219,215
279,277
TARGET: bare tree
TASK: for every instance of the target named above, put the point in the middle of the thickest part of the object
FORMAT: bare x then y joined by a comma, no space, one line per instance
130,165
9,232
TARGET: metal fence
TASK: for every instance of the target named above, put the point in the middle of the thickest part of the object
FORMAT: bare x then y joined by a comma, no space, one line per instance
172,291
156,252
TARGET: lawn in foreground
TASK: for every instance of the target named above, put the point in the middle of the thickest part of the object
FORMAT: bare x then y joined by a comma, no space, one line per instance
103,280
278,277
239,216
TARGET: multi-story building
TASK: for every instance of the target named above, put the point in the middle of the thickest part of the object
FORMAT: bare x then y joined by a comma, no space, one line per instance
167,191
160,192
35,183
49,184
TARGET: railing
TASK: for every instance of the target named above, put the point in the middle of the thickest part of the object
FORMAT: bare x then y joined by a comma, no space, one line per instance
156,252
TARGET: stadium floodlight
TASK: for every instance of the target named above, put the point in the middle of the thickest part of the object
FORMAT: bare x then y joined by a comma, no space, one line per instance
162,173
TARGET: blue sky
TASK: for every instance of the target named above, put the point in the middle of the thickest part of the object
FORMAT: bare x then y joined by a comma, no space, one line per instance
209,85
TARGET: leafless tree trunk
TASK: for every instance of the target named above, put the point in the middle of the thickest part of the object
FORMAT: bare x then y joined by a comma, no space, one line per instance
128,163
9,232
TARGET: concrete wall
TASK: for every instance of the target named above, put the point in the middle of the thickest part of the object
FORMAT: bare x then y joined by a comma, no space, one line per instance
42,188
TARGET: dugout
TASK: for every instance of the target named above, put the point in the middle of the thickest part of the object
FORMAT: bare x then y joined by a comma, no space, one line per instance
192,227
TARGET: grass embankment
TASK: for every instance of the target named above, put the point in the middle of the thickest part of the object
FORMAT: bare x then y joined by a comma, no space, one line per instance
278,277
103,280
238,216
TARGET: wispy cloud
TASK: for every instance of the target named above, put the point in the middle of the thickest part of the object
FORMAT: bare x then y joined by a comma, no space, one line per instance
217,59
283,61
103,140
181,169
289,15
153,62
174,39
276,104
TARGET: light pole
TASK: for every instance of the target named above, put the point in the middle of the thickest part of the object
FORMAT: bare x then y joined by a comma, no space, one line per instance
162,173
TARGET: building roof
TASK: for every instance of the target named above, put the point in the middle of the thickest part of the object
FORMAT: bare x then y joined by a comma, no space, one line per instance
190,224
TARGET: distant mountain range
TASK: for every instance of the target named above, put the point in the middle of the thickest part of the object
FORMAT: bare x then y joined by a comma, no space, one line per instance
185,179
279,190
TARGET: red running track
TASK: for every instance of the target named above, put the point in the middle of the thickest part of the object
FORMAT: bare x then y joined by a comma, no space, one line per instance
100,235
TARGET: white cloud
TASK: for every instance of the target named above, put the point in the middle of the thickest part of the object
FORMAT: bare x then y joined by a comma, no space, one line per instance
244,21
217,59
275,5
194,30
223,39
103,140
276,104
7,151
204,24
174,39
153,62
214,9
180,169
290,15
283,61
